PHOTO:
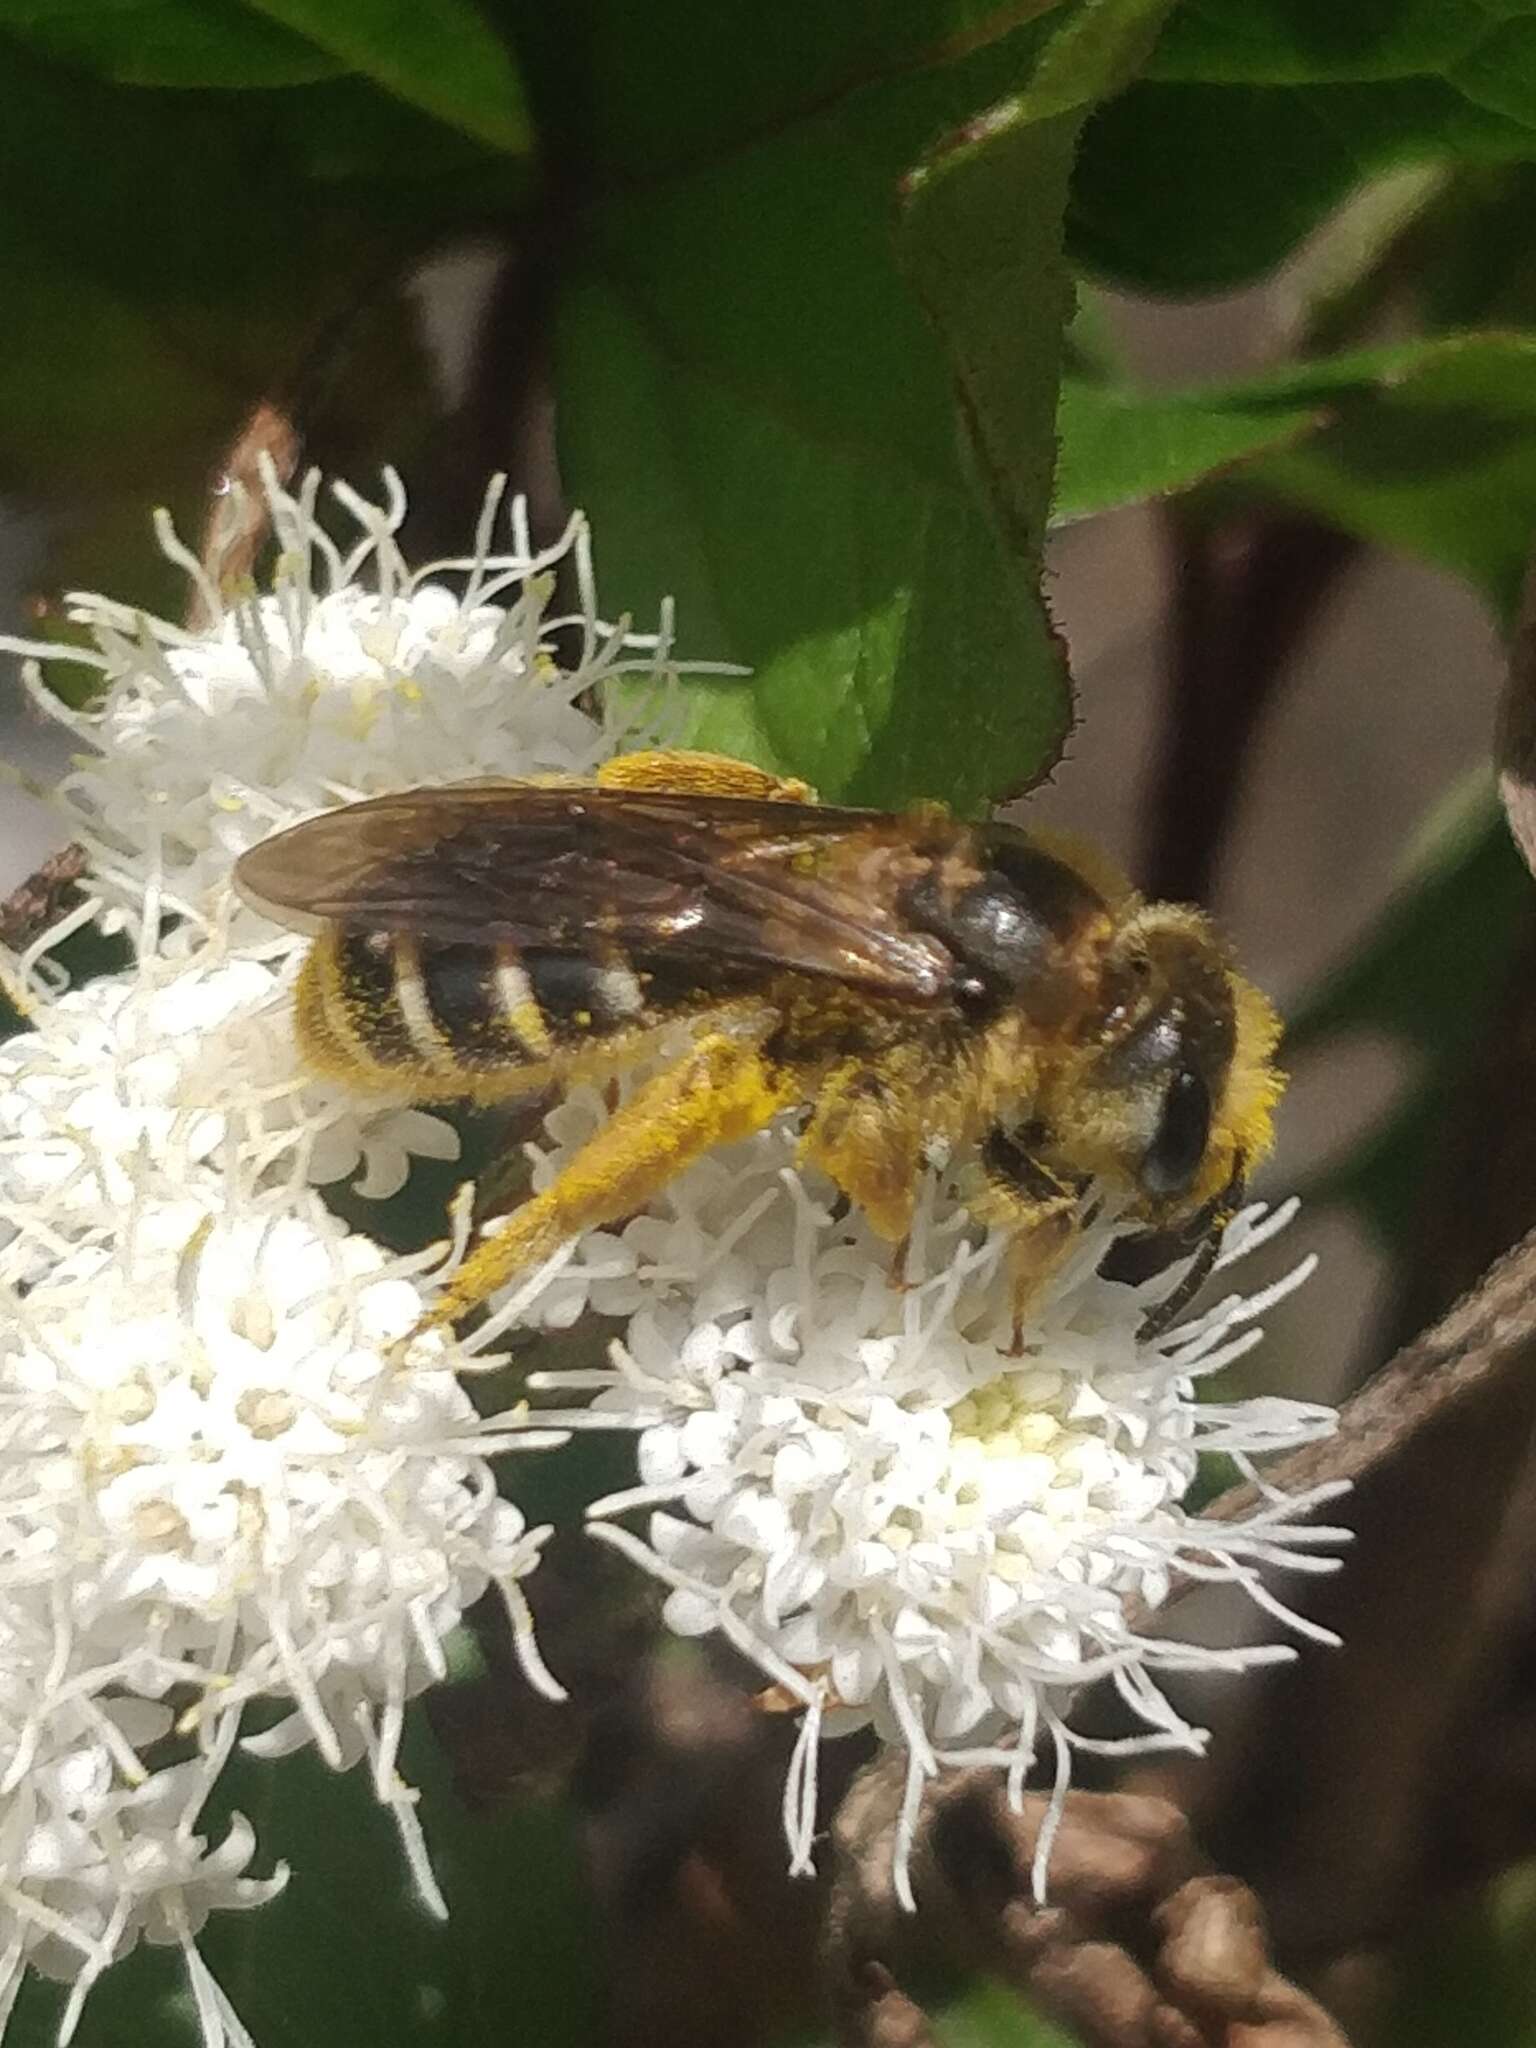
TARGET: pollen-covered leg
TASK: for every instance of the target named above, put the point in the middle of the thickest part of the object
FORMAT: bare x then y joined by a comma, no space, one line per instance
720,1090
870,1131
700,774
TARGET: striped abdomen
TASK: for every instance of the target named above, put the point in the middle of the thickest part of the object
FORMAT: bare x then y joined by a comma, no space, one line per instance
395,1010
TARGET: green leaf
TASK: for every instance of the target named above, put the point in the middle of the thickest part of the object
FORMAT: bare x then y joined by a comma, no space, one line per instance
1308,42
760,422
1440,948
801,494
985,2014
1485,54
1427,975
1428,446
989,2015
981,241
104,375
348,1955
168,42
1474,1978
1188,188
731,81
861,596
1437,459
440,55
151,309
1118,447
1255,120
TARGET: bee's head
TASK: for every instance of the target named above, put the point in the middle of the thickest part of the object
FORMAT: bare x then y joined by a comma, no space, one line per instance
1171,1099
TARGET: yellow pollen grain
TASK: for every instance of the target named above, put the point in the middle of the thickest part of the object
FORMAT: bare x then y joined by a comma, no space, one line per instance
251,1317
995,1410
159,1526
1011,1567
132,1401
266,1412
1002,1420
1036,1432
104,1463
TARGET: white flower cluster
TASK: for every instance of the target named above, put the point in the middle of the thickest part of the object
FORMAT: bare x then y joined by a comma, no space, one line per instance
224,1473
354,675
230,1472
906,1518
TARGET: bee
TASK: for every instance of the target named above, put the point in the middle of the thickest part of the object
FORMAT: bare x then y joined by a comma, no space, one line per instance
916,985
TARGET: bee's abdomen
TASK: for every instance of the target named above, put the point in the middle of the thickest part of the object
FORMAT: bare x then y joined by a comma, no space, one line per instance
388,1007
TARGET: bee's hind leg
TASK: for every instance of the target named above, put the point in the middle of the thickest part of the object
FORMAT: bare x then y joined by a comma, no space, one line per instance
721,1089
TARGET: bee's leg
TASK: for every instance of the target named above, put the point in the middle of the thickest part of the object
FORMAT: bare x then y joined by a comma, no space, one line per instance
721,1089
1041,1239
1140,1255
868,1133
1038,1206
899,1258
700,775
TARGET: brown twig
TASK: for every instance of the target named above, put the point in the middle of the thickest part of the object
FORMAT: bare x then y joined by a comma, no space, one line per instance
1324,1796
1488,1334
234,527
1515,737
1139,1946
238,518
884,2017
1398,1809
505,419
40,899
1246,590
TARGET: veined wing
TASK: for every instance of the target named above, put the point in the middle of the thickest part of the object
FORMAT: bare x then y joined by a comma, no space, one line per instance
668,878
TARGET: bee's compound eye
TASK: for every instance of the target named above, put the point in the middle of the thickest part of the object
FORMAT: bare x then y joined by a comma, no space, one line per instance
1173,1158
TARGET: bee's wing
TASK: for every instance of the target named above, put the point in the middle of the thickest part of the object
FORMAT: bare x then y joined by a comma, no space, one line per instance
668,878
